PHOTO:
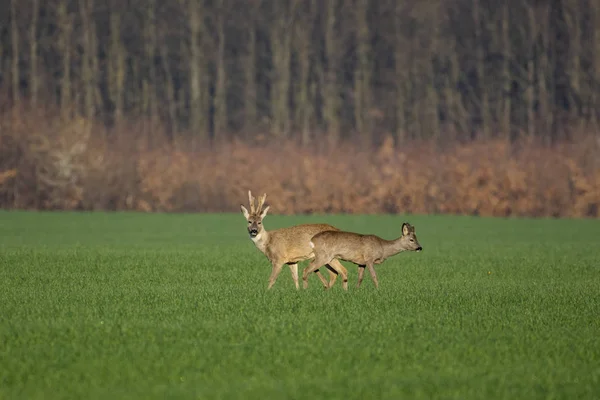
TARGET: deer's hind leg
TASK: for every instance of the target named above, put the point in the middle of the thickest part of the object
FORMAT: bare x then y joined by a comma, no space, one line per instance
314,265
335,267
294,270
333,274
361,275
322,278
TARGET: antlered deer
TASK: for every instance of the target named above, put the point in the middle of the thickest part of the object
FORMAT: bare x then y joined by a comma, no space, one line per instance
362,250
288,245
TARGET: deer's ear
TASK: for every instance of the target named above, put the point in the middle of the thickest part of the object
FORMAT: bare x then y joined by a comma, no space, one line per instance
405,229
264,212
244,211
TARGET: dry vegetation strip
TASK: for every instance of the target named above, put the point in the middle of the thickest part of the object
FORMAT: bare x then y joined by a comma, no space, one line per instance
48,164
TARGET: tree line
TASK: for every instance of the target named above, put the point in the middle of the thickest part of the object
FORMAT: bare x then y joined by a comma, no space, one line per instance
308,69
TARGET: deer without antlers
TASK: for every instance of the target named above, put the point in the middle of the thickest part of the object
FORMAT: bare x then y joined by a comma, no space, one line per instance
288,245
362,250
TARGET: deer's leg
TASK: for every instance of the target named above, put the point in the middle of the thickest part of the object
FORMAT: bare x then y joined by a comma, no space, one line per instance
310,268
373,274
339,269
277,267
322,278
314,265
333,274
294,271
361,275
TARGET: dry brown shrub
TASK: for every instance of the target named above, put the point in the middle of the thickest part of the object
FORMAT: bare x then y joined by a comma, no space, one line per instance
48,163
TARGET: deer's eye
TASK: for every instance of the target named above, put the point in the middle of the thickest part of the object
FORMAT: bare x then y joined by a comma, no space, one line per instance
412,240
260,223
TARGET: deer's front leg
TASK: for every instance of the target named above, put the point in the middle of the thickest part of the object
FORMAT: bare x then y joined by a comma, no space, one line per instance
274,274
294,270
373,274
361,275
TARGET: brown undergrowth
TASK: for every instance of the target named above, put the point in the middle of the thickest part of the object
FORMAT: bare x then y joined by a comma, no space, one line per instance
49,163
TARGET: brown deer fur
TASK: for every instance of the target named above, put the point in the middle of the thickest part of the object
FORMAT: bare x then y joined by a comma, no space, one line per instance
362,250
288,245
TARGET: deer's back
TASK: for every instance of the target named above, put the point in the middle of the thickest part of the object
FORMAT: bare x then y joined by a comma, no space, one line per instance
348,246
294,241
339,237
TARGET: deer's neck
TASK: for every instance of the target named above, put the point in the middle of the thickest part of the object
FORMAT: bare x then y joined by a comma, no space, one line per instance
261,241
392,247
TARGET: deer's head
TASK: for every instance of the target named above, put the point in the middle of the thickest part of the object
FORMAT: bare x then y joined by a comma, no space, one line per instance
409,238
256,214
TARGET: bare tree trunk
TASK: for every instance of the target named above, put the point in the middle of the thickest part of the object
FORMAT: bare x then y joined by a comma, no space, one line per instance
596,70
65,25
530,92
33,54
250,60
150,79
3,58
170,90
116,67
331,92
576,92
198,92
481,75
401,75
506,75
250,93
303,50
458,112
415,126
16,78
4,69
87,58
281,51
220,99
432,96
362,74
94,62
400,104
544,75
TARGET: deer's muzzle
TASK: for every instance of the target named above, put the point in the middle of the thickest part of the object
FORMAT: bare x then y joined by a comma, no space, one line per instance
419,248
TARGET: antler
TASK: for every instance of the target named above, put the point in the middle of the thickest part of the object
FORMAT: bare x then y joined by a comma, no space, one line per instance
251,200
256,206
261,202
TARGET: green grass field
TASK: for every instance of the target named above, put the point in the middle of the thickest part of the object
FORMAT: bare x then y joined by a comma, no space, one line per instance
144,306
